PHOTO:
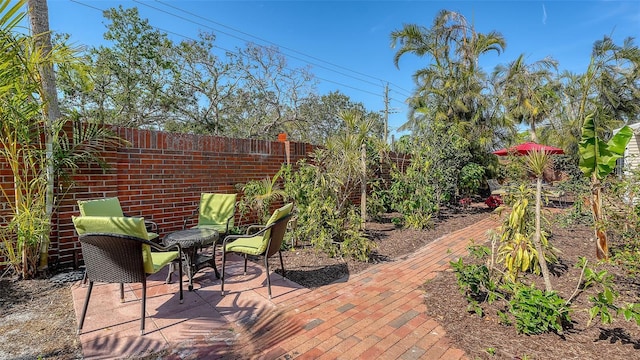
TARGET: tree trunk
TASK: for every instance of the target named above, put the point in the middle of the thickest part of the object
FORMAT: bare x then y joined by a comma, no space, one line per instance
363,186
532,132
602,246
39,21
536,239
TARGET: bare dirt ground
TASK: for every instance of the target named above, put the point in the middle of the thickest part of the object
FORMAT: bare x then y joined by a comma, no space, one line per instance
38,322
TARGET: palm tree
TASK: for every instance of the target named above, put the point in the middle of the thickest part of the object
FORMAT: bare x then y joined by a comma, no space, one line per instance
609,89
452,87
39,20
564,126
32,143
614,74
20,143
529,92
259,195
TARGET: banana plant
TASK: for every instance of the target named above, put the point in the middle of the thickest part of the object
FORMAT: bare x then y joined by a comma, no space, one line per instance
597,160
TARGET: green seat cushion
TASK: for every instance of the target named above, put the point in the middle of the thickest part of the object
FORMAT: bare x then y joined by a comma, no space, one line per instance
100,207
252,246
105,207
499,192
554,193
161,259
131,226
280,213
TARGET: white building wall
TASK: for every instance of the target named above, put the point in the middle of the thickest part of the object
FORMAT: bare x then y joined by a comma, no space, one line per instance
631,158
632,152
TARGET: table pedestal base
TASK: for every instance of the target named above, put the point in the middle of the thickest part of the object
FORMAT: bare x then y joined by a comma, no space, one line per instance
193,261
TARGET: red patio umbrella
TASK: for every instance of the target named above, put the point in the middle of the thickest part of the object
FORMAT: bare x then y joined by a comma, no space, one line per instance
528,147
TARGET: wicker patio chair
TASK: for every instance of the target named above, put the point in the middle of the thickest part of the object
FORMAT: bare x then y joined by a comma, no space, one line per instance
215,211
495,187
554,195
266,242
111,207
115,250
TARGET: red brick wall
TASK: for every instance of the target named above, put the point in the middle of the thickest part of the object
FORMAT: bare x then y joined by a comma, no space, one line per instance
160,176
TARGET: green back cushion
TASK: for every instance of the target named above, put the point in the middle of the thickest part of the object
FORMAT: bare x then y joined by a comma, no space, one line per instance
100,207
215,210
131,226
280,213
257,245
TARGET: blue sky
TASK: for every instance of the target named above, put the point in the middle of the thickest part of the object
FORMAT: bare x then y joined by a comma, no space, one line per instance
347,43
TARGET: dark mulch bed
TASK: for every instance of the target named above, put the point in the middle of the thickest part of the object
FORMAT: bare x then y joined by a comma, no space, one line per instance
485,338
313,269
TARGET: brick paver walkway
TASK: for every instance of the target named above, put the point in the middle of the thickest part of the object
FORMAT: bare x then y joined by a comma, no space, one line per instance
379,313
376,314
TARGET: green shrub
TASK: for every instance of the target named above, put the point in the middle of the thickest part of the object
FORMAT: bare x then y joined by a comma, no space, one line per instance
604,302
413,197
537,311
438,153
331,228
470,178
475,283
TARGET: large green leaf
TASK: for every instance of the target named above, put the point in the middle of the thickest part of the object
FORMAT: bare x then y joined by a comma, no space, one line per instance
598,156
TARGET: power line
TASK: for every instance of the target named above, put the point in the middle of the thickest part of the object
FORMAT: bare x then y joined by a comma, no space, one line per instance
278,45
264,40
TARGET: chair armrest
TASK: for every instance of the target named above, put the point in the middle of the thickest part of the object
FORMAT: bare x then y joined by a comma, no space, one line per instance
159,247
151,226
254,228
230,218
186,218
231,238
229,221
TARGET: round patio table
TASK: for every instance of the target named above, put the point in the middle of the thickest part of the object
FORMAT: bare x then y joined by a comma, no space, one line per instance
191,240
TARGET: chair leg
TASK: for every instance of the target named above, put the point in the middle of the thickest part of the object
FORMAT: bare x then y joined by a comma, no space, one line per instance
245,264
266,265
213,260
84,307
281,263
144,305
180,278
171,270
224,261
121,292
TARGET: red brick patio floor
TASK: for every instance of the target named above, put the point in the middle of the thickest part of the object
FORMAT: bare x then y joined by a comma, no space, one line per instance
376,314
